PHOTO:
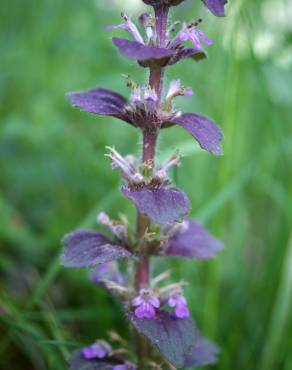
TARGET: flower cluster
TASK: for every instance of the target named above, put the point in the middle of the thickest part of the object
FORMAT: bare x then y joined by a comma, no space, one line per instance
146,303
156,308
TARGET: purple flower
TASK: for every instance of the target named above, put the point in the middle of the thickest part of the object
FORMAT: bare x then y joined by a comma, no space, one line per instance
176,89
128,26
146,303
148,22
99,349
180,303
189,32
129,170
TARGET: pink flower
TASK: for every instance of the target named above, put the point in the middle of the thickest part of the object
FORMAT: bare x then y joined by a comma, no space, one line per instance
189,32
99,349
180,303
146,303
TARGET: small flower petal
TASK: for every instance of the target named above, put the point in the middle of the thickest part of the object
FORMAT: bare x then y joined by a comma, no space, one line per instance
128,26
145,310
174,86
149,311
204,37
181,311
171,302
154,301
137,301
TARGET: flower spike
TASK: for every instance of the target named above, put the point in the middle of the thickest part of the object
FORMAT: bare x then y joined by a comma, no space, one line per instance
156,307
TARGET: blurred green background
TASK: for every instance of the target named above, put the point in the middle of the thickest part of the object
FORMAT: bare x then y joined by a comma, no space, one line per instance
54,177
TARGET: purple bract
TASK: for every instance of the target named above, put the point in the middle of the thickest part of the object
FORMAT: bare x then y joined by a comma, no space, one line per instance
85,248
193,241
148,55
105,102
108,271
174,337
162,205
216,6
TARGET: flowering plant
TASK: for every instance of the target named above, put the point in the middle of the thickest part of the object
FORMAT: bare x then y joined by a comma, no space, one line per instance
165,335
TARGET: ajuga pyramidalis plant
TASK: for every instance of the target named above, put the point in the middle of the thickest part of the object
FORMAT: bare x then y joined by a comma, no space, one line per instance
164,335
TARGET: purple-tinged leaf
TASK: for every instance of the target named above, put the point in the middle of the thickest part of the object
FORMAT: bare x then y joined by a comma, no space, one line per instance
196,54
137,51
175,338
204,353
108,271
85,248
78,362
216,6
194,242
205,131
99,101
161,205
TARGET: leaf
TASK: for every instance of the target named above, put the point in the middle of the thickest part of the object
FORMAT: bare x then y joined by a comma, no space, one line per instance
216,6
137,51
99,101
160,205
85,248
194,242
193,53
175,338
204,130
204,353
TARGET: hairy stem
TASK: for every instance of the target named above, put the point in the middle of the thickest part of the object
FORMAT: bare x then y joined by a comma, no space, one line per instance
149,146
143,223
161,14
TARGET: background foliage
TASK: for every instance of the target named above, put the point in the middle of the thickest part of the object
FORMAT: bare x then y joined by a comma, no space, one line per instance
54,177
